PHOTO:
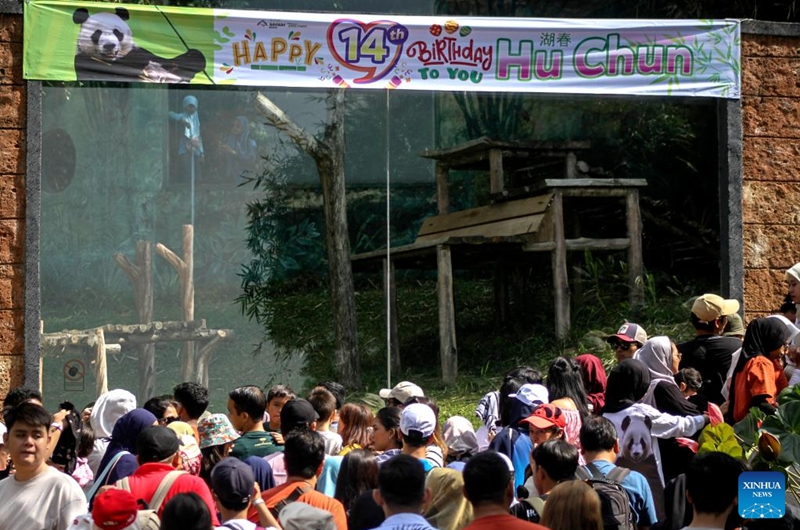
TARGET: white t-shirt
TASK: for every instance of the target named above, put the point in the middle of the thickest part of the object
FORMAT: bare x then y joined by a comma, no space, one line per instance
49,501
333,442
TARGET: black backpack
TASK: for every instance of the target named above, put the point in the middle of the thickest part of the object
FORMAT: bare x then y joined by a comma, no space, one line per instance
614,501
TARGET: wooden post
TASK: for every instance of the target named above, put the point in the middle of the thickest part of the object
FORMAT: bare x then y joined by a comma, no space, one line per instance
571,166
635,265
185,269
559,259
500,292
204,357
496,182
442,188
100,366
141,275
447,315
394,339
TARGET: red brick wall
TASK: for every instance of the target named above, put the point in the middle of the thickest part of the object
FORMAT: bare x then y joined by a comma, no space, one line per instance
12,202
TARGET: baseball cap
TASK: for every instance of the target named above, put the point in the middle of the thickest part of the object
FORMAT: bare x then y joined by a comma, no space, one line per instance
735,326
114,508
531,394
157,443
710,307
402,391
546,416
418,417
629,332
297,412
301,516
232,481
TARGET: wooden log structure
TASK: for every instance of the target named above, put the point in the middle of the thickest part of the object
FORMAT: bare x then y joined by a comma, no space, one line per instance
185,269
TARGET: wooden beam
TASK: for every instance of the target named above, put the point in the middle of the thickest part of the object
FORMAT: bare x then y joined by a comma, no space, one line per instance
442,188
447,319
100,365
635,264
390,287
496,177
559,264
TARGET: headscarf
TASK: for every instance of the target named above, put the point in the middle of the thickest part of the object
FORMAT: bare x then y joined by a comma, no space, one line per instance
241,142
459,435
793,330
594,379
125,433
109,407
448,508
262,472
656,354
627,384
191,457
763,336
793,273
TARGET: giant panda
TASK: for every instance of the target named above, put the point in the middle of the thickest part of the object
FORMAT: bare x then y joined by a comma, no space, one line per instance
106,51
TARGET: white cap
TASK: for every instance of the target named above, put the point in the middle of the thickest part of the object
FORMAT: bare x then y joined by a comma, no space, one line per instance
418,417
532,394
402,391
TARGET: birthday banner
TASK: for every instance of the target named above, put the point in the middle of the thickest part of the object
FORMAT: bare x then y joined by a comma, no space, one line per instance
94,41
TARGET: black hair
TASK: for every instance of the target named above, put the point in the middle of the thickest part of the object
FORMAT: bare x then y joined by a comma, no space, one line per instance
193,397
390,418
598,434
186,511
85,443
703,326
249,399
557,457
28,413
211,457
358,474
532,376
158,405
324,403
303,453
19,395
690,376
788,307
712,481
401,481
509,386
564,380
280,391
338,391
486,476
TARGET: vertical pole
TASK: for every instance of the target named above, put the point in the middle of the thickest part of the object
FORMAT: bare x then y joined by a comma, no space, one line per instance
187,303
635,265
496,182
447,320
390,288
559,263
442,188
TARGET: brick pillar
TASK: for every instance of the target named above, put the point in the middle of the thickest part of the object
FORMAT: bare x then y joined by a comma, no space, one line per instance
13,120
770,165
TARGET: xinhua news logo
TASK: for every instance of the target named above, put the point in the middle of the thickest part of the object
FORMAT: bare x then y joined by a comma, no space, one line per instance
762,495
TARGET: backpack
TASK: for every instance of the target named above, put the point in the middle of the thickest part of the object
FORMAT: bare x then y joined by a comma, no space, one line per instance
614,501
148,519
530,510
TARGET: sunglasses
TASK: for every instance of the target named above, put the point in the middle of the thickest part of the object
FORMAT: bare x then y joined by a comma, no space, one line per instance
623,346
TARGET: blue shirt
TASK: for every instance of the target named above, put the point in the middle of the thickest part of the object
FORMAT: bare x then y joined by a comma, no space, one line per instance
639,494
521,458
405,521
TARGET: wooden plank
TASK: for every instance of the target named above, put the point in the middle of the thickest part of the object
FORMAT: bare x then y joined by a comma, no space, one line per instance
580,244
448,351
485,143
559,263
590,183
635,265
506,228
442,188
390,288
484,215
496,182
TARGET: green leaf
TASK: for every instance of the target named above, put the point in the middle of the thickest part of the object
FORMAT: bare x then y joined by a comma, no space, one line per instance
789,394
747,429
790,414
720,437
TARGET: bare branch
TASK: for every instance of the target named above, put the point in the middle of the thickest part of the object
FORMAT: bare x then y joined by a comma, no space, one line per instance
131,270
283,123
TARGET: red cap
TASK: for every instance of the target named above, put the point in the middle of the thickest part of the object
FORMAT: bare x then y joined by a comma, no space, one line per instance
546,416
115,509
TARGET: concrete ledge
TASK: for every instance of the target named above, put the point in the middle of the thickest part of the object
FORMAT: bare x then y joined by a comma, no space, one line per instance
778,29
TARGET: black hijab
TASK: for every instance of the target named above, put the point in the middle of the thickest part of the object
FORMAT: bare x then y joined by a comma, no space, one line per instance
763,336
627,384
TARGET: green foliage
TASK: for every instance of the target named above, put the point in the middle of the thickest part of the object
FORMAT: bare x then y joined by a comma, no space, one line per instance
721,438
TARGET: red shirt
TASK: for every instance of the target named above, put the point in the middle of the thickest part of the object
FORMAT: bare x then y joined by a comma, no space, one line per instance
502,522
312,498
145,480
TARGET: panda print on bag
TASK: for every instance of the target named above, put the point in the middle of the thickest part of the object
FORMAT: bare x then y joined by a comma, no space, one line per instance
107,51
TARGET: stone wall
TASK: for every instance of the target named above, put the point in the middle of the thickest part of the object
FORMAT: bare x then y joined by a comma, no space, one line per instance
770,166
13,104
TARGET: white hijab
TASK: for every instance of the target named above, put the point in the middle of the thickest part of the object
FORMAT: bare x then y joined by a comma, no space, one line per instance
108,408
656,354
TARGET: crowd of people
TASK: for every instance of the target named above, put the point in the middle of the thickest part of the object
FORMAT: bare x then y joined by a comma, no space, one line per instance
568,449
